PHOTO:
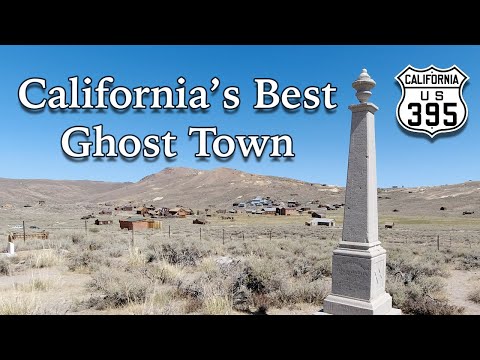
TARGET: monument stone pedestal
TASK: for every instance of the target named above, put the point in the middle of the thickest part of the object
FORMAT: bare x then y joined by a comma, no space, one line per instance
358,281
359,262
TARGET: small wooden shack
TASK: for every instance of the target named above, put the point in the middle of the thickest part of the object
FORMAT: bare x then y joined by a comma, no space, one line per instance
103,222
292,204
200,221
269,211
125,208
286,211
317,214
321,222
443,208
180,212
389,225
142,211
134,223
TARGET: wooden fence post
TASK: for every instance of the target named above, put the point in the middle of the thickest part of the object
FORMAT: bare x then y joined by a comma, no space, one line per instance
24,235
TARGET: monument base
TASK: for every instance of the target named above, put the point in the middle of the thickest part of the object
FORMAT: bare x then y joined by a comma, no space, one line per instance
339,305
358,281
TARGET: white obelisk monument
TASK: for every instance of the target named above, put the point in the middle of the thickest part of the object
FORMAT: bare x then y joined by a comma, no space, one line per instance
359,262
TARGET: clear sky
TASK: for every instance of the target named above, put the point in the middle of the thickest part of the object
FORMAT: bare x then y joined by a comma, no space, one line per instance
30,142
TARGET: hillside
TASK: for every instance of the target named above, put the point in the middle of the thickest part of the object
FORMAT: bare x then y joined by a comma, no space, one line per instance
219,187
222,186
21,191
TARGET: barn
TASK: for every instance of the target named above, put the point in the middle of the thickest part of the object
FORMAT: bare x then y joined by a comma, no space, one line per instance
134,223
269,211
179,211
286,211
142,211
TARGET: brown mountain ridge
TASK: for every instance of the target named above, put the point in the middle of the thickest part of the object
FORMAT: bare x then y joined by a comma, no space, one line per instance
222,186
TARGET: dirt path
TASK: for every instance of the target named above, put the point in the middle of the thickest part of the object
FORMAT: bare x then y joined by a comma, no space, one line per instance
459,284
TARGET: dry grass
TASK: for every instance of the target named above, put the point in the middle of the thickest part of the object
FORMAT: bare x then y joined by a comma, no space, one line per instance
165,273
46,258
36,284
18,305
416,281
474,296
217,305
5,266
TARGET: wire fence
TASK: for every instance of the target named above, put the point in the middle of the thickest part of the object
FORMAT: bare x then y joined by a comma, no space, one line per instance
439,239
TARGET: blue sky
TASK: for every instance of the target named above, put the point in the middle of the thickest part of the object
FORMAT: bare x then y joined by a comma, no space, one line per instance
30,142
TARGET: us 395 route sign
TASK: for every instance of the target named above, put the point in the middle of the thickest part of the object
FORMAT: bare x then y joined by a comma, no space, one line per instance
432,100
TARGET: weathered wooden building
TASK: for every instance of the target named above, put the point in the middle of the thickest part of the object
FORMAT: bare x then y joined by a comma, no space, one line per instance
321,222
103,222
317,214
389,225
269,211
286,211
134,223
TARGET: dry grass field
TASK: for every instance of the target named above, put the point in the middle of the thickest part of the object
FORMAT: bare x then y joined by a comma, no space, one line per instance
254,264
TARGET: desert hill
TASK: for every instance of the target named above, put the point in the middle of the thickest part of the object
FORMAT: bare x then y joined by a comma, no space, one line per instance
21,191
219,187
223,186
169,187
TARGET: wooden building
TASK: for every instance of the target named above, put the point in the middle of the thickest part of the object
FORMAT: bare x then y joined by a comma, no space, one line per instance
286,211
134,223
103,222
321,222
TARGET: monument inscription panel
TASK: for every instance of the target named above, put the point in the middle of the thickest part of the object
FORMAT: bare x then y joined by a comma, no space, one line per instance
351,276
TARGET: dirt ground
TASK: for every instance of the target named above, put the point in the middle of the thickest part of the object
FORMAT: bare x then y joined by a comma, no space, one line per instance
459,284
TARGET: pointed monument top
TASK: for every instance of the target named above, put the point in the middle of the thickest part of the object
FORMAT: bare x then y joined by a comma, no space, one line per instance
363,85
364,75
